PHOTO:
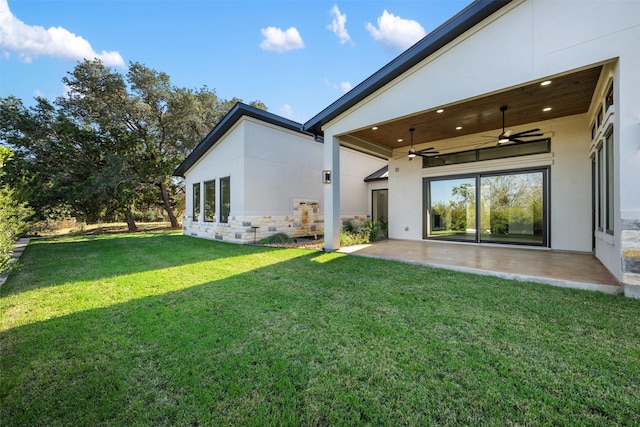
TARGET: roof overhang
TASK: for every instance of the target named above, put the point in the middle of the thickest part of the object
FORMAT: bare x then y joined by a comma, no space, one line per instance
532,102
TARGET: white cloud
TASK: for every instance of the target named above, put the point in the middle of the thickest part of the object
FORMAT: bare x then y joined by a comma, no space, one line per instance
276,40
396,32
31,41
343,87
286,111
338,25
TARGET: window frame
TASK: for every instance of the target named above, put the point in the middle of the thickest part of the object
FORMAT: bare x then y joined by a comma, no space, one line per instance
600,187
206,185
609,182
486,154
195,202
546,205
224,219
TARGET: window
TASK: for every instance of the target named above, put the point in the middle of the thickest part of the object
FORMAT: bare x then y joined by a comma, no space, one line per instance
491,153
209,201
225,199
507,207
599,117
608,102
609,182
600,189
196,201
603,165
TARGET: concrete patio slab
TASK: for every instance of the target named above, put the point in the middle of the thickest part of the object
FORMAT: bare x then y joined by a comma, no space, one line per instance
564,269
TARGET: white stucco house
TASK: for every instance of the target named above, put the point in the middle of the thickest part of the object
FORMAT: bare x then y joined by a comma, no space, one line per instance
257,174
533,108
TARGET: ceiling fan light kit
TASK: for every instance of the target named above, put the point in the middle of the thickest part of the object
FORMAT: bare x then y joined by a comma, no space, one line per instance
422,153
508,136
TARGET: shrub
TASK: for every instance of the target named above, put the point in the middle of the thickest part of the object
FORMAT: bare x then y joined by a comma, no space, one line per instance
14,220
276,239
361,232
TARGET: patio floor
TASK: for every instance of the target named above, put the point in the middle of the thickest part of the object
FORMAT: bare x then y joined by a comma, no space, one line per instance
565,269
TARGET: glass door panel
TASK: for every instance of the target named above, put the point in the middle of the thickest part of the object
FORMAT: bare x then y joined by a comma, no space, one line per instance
452,209
380,210
512,208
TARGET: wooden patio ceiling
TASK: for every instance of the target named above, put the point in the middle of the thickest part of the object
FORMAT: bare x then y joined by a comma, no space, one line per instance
566,95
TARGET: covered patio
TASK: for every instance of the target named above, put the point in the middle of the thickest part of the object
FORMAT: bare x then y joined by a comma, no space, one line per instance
563,269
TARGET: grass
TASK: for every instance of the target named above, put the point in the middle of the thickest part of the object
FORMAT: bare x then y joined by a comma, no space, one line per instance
163,329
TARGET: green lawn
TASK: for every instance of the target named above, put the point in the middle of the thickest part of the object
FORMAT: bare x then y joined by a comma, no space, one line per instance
163,329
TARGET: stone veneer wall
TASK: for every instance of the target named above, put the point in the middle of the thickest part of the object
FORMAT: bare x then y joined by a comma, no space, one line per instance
305,221
631,257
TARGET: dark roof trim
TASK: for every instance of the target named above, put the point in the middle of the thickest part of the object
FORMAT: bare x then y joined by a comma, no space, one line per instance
239,110
381,174
464,20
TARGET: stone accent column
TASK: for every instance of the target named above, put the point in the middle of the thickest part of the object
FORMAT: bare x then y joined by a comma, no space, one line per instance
631,257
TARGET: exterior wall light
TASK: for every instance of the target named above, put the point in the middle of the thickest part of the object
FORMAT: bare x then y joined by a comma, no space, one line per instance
326,177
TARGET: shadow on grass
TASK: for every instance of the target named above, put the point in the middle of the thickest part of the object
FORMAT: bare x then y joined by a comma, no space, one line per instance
326,339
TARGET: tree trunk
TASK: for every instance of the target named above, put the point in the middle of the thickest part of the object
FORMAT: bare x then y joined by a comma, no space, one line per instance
131,224
167,206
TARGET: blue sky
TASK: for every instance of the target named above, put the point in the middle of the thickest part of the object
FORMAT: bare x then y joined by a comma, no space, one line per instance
295,56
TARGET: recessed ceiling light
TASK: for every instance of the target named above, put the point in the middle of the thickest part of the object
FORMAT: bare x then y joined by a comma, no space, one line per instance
399,139
545,83
458,127
440,111
374,128
546,109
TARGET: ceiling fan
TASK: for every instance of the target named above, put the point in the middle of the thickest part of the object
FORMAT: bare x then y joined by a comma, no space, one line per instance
508,136
425,152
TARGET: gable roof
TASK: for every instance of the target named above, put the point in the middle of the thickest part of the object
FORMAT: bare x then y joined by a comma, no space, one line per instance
464,20
238,111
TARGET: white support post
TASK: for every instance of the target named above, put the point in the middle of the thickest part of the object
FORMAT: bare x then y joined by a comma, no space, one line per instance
332,223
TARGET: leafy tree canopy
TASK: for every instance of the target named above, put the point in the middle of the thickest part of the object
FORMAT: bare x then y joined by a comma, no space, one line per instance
110,144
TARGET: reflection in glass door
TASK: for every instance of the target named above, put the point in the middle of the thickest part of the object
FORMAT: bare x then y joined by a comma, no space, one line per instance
380,210
511,208
452,209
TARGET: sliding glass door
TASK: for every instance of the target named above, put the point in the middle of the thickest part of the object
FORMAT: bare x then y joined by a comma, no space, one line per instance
511,208
452,209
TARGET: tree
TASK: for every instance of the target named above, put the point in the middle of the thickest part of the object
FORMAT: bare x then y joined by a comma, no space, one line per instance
61,165
160,122
111,143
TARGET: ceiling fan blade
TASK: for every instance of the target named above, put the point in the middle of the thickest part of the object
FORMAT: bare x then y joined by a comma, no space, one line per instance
518,141
426,150
524,133
429,154
528,136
